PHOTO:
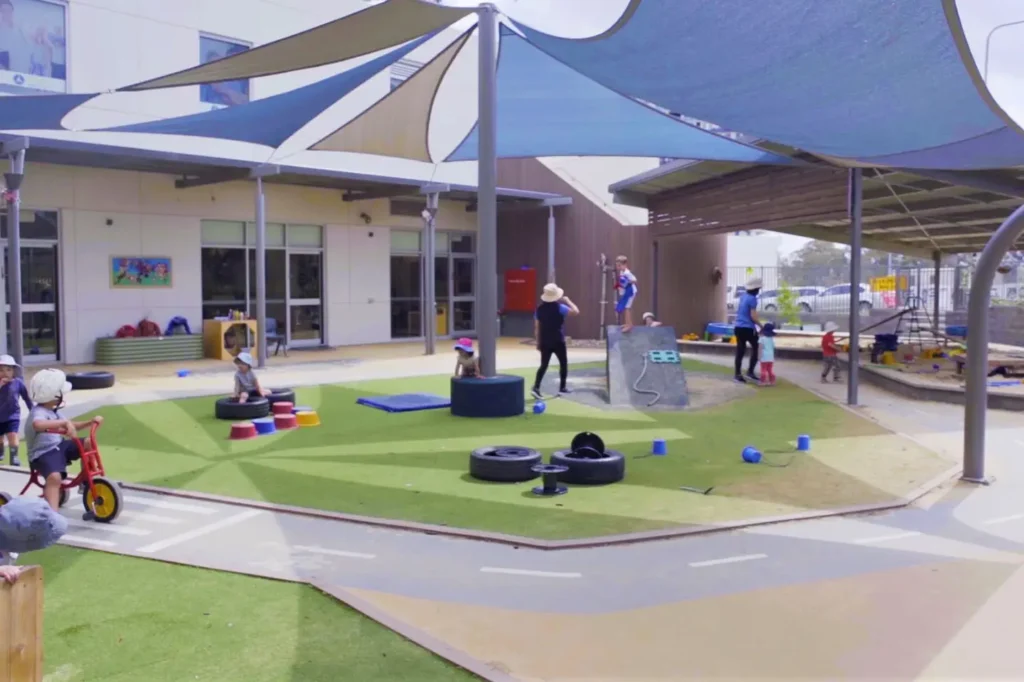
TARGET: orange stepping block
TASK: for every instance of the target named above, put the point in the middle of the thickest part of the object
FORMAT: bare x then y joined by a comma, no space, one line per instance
310,418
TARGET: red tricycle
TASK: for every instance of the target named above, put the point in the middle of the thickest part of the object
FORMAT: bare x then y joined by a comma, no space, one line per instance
100,496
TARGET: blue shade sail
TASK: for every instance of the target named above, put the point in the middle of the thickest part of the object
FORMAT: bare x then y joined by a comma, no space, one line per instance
547,109
843,78
38,112
272,120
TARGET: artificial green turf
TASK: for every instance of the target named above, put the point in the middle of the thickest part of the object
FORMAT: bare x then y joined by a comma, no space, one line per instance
111,618
411,466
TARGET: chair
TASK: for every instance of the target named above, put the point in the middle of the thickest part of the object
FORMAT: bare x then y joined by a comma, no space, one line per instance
273,336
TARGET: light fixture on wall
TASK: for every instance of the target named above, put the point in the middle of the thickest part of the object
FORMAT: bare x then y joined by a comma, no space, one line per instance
366,217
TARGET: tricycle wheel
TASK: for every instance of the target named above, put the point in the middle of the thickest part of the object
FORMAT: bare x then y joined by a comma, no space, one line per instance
103,500
64,495
4,498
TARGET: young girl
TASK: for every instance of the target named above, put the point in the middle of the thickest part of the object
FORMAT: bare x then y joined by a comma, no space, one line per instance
466,364
12,393
627,284
246,383
768,354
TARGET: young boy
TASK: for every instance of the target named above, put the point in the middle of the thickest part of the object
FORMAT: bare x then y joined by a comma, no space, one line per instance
27,524
246,383
830,353
767,345
12,392
47,432
627,284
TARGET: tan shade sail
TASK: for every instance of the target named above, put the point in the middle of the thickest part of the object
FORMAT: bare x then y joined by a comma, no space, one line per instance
372,29
398,124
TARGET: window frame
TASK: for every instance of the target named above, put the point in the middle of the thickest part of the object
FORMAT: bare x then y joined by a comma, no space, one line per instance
235,42
23,90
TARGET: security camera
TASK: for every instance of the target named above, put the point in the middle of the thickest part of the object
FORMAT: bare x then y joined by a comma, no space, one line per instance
425,214
366,217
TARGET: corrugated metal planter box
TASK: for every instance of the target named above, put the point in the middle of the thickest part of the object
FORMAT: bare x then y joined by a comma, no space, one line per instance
136,350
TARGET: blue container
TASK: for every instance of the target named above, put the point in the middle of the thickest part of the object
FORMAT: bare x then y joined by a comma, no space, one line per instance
184,373
803,443
301,408
888,342
957,330
265,426
539,407
751,455
659,447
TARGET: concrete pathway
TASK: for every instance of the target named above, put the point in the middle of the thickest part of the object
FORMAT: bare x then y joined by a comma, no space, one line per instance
979,530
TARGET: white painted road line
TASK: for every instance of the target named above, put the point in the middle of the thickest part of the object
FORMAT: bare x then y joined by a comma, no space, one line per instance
151,518
334,552
886,538
88,541
536,574
170,506
728,560
109,527
199,532
1004,519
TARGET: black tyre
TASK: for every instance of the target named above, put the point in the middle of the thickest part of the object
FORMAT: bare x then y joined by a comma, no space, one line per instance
255,408
586,439
504,464
106,505
770,308
88,381
4,498
586,469
281,395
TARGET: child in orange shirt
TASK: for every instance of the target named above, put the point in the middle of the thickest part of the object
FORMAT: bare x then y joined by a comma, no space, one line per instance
830,353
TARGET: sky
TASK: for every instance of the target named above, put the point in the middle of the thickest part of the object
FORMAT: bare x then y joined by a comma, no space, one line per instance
996,42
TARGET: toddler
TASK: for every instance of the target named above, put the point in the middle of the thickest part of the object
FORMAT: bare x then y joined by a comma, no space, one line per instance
27,524
47,433
767,345
466,364
246,383
830,353
627,284
12,392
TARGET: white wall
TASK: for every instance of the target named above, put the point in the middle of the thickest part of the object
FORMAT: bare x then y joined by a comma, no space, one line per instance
149,217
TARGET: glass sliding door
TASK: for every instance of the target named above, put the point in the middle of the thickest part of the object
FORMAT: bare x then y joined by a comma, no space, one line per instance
406,285
463,283
305,283
40,268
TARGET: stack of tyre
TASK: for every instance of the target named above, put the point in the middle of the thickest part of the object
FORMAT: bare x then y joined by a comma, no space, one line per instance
256,407
587,462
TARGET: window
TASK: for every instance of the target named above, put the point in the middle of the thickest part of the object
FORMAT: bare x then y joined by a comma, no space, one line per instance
408,207
461,243
224,94
33,46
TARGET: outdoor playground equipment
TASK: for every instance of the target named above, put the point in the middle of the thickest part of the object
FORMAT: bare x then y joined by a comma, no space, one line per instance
405,402
101,497
752,455
308,418
644,368
587,462
549,474
498,396
256,407
504,463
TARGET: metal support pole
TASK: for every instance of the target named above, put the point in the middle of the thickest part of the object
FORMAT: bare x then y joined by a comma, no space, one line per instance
977,344
551,244
261,276
856,225
14,179
938,293
430,266
654,278
487,203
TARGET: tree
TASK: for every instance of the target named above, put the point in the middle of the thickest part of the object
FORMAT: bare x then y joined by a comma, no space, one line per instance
789,309
817,263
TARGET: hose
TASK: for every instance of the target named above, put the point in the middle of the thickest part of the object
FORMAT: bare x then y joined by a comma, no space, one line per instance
636,384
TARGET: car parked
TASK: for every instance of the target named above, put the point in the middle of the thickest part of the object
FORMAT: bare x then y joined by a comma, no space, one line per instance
770,299
836,299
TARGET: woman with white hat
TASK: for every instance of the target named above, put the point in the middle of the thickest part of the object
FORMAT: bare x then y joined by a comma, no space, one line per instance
12,392
549,333
745,330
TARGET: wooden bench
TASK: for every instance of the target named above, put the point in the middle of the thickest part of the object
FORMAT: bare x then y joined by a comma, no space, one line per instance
21,627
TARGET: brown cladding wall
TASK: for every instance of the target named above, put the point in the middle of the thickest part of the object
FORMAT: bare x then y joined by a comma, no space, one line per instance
584,231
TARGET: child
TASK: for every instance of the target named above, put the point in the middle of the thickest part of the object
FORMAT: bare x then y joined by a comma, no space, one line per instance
27,524
830,353
627,283
48,450
649,320
767,354
12,389
466,364
246,383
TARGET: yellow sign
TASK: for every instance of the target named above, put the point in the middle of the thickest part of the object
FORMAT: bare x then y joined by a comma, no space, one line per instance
890,283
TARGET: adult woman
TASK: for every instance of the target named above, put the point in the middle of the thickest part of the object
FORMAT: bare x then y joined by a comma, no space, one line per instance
746,326
549,333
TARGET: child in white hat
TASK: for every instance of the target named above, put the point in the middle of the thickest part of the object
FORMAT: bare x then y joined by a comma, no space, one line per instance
246,383
12,393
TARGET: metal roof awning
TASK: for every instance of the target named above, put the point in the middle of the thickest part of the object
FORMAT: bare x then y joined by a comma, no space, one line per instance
918,212
194,170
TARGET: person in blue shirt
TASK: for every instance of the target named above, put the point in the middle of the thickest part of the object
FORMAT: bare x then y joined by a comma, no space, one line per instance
627,285
549,333
746,326
13,392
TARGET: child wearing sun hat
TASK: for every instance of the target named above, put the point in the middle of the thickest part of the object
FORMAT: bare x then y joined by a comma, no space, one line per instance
467,365
27,524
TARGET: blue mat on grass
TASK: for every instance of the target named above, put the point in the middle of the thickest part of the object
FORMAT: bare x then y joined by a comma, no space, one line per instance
406,402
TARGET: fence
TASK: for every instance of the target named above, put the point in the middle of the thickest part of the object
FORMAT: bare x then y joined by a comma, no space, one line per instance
21,628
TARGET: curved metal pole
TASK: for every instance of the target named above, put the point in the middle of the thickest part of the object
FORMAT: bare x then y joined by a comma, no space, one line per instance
977,344
988,45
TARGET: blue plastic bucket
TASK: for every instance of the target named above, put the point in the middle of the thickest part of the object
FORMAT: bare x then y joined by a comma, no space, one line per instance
659,447
751,455
803,443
